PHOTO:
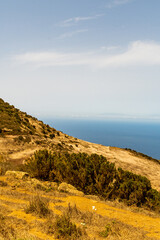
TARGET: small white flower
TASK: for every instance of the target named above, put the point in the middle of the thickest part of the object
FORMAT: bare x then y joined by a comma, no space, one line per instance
94,208
83,224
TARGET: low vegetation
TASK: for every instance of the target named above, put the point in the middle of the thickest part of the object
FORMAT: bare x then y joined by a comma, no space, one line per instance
39,206
13,120
26,215
142,155
20,124
65,229
7,232
93,174
106,232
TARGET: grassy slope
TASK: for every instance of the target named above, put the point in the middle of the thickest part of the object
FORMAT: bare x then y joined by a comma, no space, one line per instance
22,135
114,220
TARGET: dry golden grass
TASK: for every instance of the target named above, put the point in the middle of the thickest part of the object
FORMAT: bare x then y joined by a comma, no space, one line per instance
15,153
115,222
111,220
26,134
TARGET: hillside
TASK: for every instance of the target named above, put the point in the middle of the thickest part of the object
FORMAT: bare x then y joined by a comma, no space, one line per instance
35,210
31,209
21,135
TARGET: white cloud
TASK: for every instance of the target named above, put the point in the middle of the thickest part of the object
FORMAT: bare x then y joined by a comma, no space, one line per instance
137,54
70,34
78,19
72,21
109,48
114,3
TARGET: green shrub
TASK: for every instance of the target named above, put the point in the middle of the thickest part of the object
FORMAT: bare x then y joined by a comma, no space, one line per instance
93,174
106,232
27,139
52,135
130,187
65,229
13,120
20,138
153,199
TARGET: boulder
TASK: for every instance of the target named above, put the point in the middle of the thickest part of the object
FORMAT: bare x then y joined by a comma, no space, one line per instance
17,174
93,197
52,185
68,188
38,184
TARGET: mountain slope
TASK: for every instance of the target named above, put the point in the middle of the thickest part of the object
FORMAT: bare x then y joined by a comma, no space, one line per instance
98,219
21,135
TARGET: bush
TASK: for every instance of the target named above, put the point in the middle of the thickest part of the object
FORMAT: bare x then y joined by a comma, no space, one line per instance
65,229
93,174
40,165
20,138
52,135
39,206
106,232
13,120
130,187
27,139
153,199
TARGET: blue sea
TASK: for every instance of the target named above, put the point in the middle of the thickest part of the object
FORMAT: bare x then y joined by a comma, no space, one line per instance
143,137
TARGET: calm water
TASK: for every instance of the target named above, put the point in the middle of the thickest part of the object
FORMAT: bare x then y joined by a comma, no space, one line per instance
142,137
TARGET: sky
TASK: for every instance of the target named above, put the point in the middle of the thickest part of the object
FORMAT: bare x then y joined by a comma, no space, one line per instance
94,59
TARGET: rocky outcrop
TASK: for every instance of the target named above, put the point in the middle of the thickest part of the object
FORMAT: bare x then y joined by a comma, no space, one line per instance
68,188
17,174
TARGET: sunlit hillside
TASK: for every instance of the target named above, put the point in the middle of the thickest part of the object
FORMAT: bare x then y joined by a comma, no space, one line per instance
55,186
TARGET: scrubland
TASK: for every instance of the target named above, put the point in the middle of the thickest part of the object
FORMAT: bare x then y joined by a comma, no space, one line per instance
115,194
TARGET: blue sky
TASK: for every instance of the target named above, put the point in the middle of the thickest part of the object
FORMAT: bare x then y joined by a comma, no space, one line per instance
85,59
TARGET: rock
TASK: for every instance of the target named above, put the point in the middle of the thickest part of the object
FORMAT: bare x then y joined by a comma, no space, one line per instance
77,193
64,187
35,181
17,174
38,184
93,197
68,188
52,185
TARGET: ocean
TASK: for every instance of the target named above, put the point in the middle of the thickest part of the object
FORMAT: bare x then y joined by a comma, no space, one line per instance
142,137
